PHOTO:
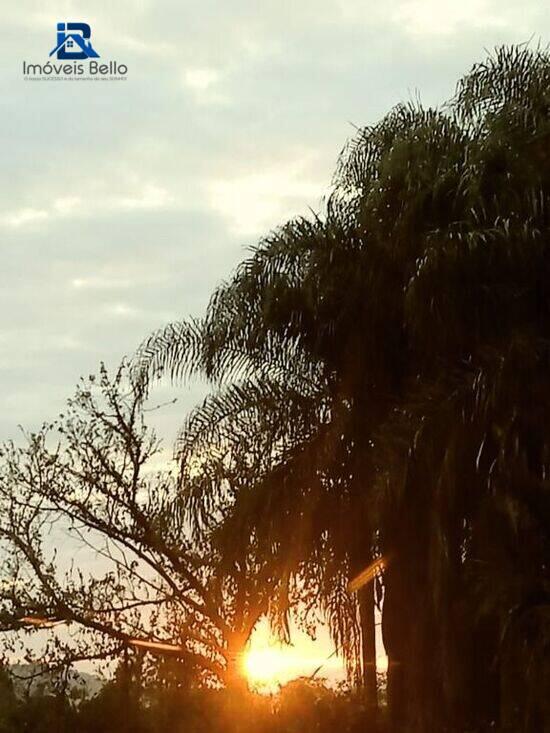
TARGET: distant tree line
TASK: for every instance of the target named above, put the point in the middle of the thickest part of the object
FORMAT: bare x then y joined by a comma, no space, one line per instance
130,704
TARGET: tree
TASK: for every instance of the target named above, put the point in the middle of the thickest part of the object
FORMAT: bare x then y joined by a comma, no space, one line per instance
416,310
88,482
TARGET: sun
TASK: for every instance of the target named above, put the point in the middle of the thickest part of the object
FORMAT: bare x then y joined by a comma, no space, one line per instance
266,667
268,664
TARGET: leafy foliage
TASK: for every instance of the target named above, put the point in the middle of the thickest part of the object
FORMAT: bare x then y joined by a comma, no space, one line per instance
137,584
411,318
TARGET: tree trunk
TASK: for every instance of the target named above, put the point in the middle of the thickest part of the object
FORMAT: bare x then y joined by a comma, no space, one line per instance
394,636
368,645
235,677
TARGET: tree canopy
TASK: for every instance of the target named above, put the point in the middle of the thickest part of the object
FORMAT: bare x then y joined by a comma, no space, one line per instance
394,352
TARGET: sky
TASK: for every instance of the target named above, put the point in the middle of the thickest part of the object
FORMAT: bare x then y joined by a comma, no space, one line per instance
123,204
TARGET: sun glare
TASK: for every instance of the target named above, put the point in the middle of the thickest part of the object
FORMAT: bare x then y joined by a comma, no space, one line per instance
267,664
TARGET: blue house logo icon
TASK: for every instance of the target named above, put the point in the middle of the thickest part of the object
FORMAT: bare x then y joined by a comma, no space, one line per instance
73,42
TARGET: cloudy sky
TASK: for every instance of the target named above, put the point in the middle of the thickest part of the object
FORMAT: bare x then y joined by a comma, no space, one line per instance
123,203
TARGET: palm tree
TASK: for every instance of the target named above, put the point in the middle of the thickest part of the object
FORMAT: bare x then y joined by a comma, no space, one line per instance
295,403
394,355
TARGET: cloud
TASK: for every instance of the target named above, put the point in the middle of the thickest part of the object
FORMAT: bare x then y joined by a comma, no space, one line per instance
150,196
23,217
200,79
122,310
67,204
204,86
436,18
146,196
257,201
101,283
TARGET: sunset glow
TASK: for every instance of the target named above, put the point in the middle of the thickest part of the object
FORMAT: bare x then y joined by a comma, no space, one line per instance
268,664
